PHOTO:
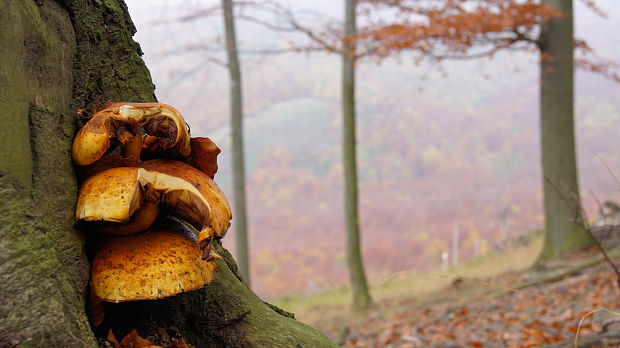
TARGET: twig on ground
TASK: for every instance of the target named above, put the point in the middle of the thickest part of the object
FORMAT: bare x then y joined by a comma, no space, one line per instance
608,323
581,219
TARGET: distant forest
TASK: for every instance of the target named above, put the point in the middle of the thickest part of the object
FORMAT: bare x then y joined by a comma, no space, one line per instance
458,141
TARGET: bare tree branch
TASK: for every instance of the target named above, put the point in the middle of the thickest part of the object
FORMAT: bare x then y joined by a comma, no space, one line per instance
581,219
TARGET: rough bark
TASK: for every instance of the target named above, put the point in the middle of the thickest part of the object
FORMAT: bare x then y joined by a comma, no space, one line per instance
236,130
559,163
57,56
361,296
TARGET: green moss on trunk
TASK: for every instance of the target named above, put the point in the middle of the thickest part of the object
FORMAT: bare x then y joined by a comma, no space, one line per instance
43,267
63,55
559,162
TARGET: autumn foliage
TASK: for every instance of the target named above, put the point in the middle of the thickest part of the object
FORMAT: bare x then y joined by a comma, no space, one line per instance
454,27
429,152
464,29
574,311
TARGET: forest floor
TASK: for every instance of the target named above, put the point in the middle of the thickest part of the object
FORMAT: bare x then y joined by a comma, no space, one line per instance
572,302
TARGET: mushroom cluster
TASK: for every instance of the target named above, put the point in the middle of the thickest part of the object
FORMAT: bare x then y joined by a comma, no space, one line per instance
137,162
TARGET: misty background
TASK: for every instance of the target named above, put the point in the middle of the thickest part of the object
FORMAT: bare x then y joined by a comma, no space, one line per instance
437,144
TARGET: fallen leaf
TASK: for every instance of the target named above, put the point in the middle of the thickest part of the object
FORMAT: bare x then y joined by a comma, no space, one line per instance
131,340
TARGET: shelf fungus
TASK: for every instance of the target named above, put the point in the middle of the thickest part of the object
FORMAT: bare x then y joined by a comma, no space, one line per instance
156,264
125,196
127,200
118,123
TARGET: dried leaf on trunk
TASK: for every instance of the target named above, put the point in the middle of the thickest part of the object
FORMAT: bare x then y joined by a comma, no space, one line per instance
204,155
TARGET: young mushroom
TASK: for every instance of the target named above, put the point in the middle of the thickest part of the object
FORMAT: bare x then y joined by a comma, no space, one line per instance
159,263
127,200
118,123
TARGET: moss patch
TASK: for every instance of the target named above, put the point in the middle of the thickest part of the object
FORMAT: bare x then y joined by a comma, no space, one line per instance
108,64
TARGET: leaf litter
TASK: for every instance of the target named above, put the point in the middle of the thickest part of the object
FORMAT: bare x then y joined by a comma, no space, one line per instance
580,310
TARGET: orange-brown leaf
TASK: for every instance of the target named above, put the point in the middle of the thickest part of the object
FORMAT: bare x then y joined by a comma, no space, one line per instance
204,155
133,340
112,339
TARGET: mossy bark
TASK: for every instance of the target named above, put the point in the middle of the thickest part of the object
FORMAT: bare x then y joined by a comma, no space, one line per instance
359,285
236,132
559,162
57,56
43,266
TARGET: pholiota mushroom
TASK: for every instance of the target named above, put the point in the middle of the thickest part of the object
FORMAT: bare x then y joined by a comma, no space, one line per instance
118,123
159,263
127,200
220,209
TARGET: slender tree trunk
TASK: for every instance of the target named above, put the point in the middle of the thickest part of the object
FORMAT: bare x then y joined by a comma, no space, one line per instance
361,296
236,127
57,56
559,163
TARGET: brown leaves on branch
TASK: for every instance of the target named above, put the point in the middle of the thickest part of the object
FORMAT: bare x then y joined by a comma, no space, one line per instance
447,29
462,29
451,29
607,69
591,4
586,60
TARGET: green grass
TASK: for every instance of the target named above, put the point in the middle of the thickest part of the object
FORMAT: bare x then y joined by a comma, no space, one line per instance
334,305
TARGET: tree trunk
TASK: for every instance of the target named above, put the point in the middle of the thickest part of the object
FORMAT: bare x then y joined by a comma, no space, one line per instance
361,296
236,129
561,188
57,56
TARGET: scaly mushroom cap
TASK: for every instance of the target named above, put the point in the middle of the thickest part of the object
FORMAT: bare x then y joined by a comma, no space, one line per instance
124,194
120,122
156,264
220,209
127,194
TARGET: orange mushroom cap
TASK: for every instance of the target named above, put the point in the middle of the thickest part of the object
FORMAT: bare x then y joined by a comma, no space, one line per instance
153,265
120,122
219,207
126,195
